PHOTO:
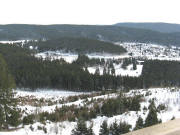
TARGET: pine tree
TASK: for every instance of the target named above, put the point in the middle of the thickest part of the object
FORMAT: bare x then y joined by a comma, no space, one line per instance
104,70
80,129
9,115
114,129
134,65
113,70
124,127
152,116
104,130
139,123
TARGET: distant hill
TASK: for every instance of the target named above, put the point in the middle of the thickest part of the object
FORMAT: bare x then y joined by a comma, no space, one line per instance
77,45
105,33
160,27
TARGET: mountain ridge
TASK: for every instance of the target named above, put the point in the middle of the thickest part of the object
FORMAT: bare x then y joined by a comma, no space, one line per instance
155,26
105,32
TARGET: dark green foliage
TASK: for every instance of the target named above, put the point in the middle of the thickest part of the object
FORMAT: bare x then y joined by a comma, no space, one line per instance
134,65
33,73
14,118
122,128
80,129
29,119
152,116
104,130
120,105
161,73
77,45
139,124
114,129
8,112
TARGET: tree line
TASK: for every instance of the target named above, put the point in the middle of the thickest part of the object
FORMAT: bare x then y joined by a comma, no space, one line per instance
76,45
31,72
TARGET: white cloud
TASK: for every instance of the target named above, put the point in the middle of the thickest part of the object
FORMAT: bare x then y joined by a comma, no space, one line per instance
88,11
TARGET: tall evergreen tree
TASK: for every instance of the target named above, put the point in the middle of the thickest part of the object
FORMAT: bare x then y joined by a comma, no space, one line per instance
134,65
104,130
124,128
8,113
114,129
80,129
139,123
152,116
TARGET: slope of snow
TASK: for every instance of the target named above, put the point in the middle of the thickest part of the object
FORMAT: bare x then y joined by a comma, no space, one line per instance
16,41
168,96
47,93
53,55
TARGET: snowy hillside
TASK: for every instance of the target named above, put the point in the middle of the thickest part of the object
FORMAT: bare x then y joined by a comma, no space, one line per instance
152,51
170,97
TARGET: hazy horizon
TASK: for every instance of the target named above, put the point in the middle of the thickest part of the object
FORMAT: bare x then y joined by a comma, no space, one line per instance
84,24
88,12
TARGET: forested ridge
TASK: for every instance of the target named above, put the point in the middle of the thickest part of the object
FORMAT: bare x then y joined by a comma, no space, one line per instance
105,32
33,73
161,27
77,45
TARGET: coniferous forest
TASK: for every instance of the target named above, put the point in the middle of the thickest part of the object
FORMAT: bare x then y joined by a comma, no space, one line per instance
31,72
77,45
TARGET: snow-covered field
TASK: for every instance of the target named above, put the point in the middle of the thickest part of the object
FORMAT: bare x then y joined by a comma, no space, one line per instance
120,71
48,94
70,57
168,96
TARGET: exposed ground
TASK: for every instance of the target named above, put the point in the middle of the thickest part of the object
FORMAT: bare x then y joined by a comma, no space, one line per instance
169,128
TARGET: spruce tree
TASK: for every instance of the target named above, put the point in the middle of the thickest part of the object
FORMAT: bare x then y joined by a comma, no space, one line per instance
124,127
9,115
114,129
139,123
80,129
104,130
152,116
134,65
